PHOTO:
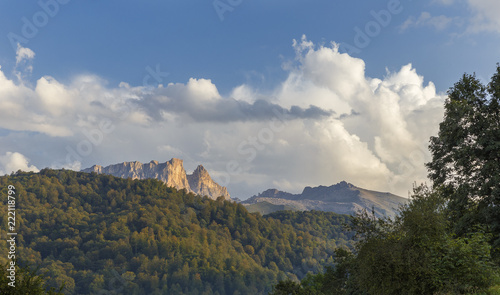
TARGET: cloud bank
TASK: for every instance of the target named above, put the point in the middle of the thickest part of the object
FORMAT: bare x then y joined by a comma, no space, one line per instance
325,123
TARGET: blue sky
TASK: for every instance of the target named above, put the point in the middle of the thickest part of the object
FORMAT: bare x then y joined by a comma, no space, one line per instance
118,39
215,60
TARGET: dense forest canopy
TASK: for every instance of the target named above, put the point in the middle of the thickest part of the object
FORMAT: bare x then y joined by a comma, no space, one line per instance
98,233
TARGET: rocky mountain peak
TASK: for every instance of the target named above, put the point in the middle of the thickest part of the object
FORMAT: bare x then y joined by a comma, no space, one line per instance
96,168
172,173
344,185
341,186
174,161
270,193
201,182
307,189
201,171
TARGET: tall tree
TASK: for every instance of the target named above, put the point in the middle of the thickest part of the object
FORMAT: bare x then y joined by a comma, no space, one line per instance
466,155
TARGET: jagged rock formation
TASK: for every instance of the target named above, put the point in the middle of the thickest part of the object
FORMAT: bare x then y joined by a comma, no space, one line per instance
201,183
172,173
342,198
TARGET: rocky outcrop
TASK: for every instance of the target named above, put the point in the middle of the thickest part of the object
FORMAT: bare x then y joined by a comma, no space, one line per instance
201,183
274,193
172,173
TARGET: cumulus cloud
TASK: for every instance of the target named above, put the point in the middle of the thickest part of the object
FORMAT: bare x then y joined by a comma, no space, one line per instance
386,137
12,162
200,101
326,122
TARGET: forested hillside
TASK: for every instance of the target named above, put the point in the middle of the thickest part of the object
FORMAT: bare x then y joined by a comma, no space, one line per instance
99,234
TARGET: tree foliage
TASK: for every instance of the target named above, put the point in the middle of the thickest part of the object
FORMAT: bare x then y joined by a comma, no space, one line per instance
415,253
102,234
27,281
418,254
466,155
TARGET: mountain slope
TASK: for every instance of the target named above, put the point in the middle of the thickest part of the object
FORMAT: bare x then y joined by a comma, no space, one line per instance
341,198
103,234
266,208
172,173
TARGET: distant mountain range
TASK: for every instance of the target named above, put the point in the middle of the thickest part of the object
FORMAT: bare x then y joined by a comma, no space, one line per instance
172,173
342,198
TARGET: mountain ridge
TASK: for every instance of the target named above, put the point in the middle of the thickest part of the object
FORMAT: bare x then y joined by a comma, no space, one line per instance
172,173
341,198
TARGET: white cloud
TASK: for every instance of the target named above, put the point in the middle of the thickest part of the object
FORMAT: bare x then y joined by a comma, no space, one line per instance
244,93
481,16
444,2
326,122
75,166
21,110
23,54
12,162
485,16
389,127
425,19
54,96
24,58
